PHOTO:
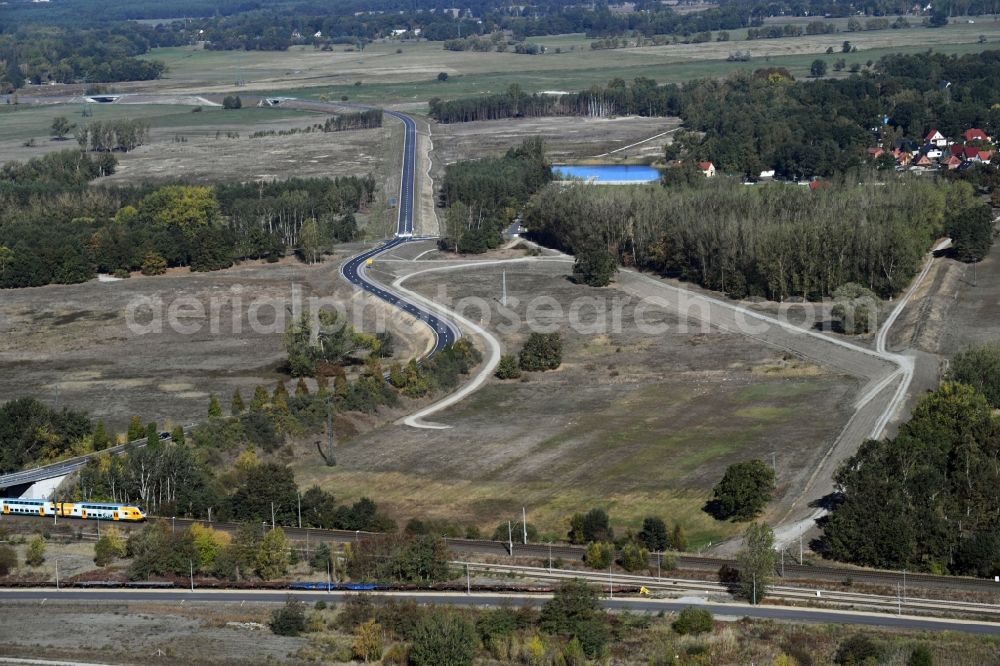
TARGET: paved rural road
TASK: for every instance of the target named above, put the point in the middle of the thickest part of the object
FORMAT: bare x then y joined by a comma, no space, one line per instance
786,613
353,270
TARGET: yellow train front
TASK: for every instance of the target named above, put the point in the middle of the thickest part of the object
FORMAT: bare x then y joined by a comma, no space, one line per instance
81,510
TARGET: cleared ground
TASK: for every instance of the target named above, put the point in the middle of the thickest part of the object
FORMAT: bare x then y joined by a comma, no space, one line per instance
147,633
640,424
72,344
959,306
24,123
565,138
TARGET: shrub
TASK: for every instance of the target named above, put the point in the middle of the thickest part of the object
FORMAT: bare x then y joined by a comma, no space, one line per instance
858,650
8,560
594,266
743,491
368,641
542,351
36,551
357,610
634,557
599,555
508,368
443,638
921,656
109,547
654,534
693,620
290,619
154,264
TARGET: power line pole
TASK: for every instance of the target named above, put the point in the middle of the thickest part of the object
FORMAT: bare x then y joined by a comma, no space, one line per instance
510,539
300,510
503,298
191,565
800,550
272,515
524,524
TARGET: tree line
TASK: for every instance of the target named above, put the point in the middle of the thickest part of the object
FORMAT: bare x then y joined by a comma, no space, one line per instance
774,241
927,498
112,135
53,228
42,53
752,122
482,196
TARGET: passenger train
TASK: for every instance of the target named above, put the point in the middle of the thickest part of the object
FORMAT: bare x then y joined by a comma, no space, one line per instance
83,510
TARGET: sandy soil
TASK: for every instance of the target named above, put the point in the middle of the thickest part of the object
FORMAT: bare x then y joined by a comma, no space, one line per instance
204,158
72,344
144,633
565,138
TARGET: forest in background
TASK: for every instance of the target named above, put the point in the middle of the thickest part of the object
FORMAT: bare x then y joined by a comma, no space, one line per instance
774,241
54,227
752,122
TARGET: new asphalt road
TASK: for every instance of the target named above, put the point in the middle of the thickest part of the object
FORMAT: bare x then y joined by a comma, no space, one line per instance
445,333
783,613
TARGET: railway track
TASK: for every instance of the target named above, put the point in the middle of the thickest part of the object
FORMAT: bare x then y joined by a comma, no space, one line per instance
543,552
617,581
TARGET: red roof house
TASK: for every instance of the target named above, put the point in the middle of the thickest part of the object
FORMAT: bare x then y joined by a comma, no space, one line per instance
975,134
936,138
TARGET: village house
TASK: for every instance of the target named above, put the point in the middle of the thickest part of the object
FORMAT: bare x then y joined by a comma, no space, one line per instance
935,137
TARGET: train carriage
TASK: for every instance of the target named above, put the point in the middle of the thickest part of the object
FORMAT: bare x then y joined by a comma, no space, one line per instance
81,510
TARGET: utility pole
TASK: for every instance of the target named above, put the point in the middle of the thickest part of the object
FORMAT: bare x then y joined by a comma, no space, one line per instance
191,565
659,557
503,298
550,556
510,539
328,577
755,588
782,562
173,524
272,515
300,511
524,524
57,573
611,582
468,580
800,550
904,584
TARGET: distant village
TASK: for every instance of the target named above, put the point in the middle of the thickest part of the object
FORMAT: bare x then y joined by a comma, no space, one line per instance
938,152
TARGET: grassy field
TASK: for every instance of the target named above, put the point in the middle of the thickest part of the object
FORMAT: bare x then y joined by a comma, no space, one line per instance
21,122
636,424
409,75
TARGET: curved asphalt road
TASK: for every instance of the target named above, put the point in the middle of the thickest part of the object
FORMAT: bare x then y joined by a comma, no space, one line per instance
445,333
784,613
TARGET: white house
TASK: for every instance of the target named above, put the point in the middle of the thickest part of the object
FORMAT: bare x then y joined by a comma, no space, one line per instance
937,139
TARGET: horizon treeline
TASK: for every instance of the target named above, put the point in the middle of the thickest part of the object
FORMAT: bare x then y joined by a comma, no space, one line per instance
753,122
